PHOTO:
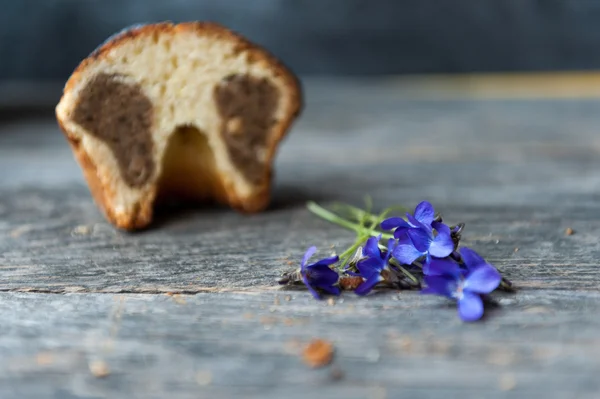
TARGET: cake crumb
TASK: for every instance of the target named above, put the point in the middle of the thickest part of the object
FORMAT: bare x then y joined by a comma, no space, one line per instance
406,343
501,357
265,320
378,393
99,369
331,301
336,373
517,249
44,358
81,230
288,298
569,231
507,382
19,231
318,353
203,377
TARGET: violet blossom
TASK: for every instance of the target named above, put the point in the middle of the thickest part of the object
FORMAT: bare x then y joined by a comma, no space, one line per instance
464,284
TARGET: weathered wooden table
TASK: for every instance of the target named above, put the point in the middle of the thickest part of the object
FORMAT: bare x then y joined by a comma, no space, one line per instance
191,308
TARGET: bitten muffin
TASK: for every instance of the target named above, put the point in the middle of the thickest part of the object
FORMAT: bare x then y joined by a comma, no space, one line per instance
190,111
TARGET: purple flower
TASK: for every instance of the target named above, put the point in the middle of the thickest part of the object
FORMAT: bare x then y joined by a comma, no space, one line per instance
420,235
428,241
424,214
318,275
465,285
375,268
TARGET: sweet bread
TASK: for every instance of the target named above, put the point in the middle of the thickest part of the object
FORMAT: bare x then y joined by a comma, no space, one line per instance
191,111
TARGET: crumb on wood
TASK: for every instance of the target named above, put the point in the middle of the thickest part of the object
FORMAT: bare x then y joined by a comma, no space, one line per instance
507,382
569,231
292,346
204,377
545,352
289,321
290,262
405,343
501,357
266,320
99,369
44,358
277,302
537,310
169,293
288,298
440,347
318,353
336,373
331,301
81,230
179,299
20,230
378,393
517,249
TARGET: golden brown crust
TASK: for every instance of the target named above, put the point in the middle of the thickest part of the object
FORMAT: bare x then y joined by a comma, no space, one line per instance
102,194
260,198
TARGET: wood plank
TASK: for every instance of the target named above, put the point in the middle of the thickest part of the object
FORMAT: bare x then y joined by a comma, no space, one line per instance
518,173
542,344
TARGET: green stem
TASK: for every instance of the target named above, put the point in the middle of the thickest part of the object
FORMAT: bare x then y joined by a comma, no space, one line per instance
335,219
406,272
361,214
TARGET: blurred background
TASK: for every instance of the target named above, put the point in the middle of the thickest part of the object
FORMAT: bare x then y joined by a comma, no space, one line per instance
42,41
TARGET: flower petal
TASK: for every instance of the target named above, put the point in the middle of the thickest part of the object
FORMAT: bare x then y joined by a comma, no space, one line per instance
319,275
483,279
471,258
392,223
442,245
406,254
371,248
368,285
401,232
313,292
405,241
442,267
470,307
424,212
370,266
390,247
439,285
332,289
327,261
441,228
412,221
307,255
421,239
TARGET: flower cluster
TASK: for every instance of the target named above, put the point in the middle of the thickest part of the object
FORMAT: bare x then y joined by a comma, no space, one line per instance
420,251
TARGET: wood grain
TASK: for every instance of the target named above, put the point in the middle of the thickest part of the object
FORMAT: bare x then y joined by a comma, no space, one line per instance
517,172
542,344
